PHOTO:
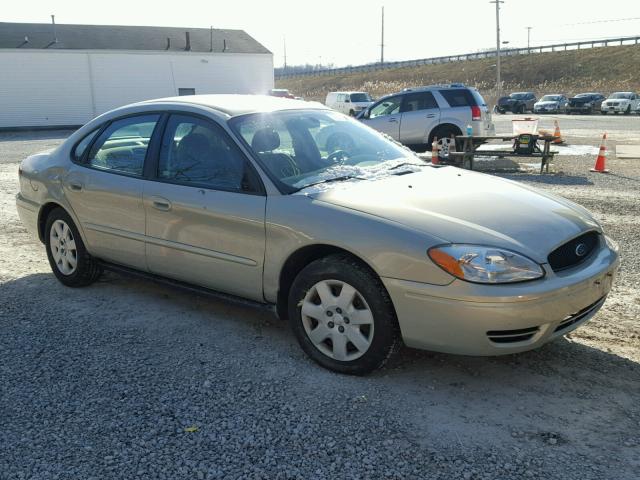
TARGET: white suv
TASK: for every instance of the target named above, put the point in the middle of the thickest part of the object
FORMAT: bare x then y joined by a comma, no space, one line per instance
415,116
621,102
351,103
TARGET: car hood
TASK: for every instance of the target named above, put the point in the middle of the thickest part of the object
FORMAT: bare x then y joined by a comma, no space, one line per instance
581,99
547,104
459,206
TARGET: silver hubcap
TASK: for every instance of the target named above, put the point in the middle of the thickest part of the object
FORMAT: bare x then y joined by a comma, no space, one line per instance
337,320
63,247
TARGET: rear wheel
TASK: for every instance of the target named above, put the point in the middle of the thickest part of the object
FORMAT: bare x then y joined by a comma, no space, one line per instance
342,315
628,110
444,131
68,257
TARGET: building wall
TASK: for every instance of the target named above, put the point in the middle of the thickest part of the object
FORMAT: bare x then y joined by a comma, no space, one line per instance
53,88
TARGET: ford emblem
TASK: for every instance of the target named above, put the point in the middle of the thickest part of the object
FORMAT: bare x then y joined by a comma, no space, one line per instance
581,250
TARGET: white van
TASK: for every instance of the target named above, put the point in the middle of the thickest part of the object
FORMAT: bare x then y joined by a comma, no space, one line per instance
350,103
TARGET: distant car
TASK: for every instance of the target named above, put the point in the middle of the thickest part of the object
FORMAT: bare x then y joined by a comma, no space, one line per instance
281,92
555,103
620,102
585,103
519,102
351,103
416,116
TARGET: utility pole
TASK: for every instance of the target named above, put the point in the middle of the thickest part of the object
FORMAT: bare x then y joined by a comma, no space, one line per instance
382,40
498,72
284,41
529,39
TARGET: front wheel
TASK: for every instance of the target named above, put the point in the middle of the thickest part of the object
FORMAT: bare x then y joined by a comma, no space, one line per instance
628,110
68,257
342,315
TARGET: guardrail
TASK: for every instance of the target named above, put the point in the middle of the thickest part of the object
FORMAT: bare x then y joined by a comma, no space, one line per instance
464,57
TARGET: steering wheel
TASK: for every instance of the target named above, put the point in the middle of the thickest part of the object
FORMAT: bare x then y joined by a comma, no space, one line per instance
339,156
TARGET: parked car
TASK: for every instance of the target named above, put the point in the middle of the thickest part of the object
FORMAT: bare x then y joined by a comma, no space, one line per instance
351,103
585,103
519,102
620,102
281,92
358,247
556,103
415,116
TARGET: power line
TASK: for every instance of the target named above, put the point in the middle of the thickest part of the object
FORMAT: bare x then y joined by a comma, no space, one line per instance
601,21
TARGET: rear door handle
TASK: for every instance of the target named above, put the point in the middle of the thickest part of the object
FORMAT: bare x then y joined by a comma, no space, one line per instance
431,115
75,186
161,204
393,120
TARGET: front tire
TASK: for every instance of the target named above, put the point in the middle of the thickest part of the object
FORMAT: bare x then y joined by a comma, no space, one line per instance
342,315
71,263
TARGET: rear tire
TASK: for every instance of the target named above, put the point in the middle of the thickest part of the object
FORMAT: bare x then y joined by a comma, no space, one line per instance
628,110
68,257
342,315
443,132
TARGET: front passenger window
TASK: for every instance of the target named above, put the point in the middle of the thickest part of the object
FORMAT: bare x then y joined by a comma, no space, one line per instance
196,151
390,106
122,147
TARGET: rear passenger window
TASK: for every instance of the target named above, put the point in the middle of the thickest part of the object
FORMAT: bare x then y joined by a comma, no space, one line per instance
122,147
198,152
81,147
458,98
418,101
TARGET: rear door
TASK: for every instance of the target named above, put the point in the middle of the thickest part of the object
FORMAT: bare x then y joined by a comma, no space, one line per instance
420,114
384,116
205,210
104,188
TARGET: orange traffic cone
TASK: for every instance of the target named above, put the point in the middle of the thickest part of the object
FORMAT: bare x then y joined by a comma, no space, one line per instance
602,157
434,152
557,134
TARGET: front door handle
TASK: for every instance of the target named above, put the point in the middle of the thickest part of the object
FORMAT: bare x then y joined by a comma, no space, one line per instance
75,186
161,204
431,115
393,120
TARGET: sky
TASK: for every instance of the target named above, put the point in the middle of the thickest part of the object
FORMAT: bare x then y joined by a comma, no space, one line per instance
347,32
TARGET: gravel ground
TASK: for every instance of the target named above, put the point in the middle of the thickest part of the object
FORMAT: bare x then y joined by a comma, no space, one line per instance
128,379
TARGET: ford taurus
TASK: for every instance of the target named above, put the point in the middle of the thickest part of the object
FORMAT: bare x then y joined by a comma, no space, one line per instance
349,235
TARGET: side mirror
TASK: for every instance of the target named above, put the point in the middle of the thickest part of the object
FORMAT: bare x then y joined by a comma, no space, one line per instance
364,114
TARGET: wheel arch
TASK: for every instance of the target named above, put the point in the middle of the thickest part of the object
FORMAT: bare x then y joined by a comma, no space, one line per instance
300,259
43,214
440,127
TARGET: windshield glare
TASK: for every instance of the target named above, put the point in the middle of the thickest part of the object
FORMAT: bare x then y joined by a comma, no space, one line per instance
621,95
550,98
301,147
360,97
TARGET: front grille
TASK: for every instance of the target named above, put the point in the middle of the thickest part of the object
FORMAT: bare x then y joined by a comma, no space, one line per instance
576,317
512,336
574,252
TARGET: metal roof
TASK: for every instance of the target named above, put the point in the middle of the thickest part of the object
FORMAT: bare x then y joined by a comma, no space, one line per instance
234,104
118,37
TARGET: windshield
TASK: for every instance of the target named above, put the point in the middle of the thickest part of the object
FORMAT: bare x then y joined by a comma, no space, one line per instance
550,98
621,95
303,147
518,96
360,97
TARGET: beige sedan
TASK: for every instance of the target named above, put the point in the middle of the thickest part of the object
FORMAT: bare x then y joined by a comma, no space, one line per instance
354,239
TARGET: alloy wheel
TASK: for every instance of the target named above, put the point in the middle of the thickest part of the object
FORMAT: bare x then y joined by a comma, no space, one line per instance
63,247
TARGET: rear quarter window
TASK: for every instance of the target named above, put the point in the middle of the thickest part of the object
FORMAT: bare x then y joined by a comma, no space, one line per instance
81,146
459,98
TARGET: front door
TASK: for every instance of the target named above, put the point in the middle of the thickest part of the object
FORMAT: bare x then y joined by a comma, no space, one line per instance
420,115
205,211
384,116
104,189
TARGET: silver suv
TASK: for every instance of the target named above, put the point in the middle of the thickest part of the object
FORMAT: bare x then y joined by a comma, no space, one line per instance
416,115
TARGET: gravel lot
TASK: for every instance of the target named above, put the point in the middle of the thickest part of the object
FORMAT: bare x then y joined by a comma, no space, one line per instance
128,379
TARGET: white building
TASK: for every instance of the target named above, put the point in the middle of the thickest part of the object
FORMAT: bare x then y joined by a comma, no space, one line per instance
64,75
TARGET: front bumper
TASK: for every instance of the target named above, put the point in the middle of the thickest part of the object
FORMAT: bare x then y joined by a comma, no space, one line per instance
617,108
546,109
471,319
580,108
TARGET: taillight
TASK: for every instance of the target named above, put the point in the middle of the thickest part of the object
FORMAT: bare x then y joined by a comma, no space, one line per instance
476,113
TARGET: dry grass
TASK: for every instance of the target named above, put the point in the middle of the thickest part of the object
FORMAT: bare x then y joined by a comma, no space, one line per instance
600,69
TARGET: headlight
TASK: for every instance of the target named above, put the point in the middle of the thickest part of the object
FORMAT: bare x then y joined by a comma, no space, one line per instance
480,264
611,243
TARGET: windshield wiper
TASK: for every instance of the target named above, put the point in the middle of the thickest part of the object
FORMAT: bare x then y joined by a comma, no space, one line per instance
404,164
335,179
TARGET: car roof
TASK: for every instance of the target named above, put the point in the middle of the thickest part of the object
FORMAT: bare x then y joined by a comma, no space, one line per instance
233,104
